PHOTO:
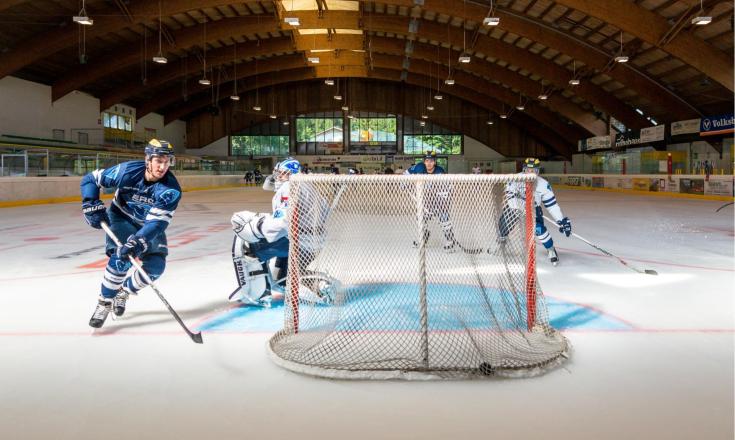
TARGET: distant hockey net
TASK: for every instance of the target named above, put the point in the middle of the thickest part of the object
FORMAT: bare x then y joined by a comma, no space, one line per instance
410,277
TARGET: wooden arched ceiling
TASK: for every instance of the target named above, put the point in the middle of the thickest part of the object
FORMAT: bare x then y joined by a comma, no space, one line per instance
677,70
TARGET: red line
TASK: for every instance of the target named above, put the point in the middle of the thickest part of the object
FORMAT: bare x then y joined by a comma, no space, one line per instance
663,263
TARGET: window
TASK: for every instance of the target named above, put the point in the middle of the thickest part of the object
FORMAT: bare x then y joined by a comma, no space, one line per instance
319,130
441,143
58,134
117,122
373,130
259,145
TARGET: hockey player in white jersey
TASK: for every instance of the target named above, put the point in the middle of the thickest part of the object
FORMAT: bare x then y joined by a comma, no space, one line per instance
515,198
261,237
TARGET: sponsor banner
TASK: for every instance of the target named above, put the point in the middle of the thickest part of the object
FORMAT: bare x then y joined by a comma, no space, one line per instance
691,186
598,182
641,184
652,134
717,125
594,143
373,159
632,137
718,187
685,127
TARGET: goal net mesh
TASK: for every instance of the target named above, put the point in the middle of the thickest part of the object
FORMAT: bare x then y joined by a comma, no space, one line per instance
414,277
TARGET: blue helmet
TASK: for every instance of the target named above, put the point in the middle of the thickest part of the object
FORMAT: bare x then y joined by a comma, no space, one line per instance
289,165
157,147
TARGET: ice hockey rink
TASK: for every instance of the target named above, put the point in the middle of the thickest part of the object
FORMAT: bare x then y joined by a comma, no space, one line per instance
652,355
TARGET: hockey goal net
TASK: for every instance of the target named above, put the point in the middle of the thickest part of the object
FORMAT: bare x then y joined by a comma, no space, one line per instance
414,277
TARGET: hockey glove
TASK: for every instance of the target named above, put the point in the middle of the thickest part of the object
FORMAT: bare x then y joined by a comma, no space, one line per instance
95,213
132,248
565,226
246,225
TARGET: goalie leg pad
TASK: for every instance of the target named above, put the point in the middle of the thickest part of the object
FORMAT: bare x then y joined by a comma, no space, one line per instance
251,276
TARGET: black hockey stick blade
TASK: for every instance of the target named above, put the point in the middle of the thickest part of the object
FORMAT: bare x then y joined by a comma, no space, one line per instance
724,206
651,272
197,337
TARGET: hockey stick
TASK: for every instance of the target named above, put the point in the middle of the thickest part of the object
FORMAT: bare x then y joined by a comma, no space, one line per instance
196,337
723,206
625,263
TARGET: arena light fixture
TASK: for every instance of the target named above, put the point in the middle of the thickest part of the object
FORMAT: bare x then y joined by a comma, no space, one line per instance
430,108
160,59
422,123
337,97
491,21
286,123
574,82
503,116
520,107
449,81
257,108
234,97
273,116
701,19
621,58
465,58
329,82
489,122
83,18
314,60
345,108
204,81
543,96
438,97
424,116
293,21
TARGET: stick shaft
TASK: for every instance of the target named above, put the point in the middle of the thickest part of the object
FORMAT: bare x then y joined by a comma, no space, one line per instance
196,337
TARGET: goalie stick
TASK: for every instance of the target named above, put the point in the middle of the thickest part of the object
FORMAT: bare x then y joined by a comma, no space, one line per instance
196,337
610,254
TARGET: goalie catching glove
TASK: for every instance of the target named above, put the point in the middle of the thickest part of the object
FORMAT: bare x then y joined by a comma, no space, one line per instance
248,225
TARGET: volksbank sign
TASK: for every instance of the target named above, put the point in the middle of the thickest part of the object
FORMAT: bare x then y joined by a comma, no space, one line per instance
717,125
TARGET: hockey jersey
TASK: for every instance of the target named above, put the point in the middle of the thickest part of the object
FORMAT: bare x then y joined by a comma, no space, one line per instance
515,195
312,217
420,168
148,204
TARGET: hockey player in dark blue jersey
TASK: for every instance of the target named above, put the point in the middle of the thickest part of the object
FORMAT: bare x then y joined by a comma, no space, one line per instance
437,200
145,200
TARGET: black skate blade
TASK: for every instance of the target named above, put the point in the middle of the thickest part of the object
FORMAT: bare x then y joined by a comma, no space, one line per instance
651,272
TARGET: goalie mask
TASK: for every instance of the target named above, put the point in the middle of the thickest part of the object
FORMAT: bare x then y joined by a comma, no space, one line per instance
285,169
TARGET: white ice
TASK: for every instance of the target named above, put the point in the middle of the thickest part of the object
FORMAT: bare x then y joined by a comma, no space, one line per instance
670,376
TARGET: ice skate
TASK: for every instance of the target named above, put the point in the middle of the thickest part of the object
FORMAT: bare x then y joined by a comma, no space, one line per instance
119,302
553,257
104,305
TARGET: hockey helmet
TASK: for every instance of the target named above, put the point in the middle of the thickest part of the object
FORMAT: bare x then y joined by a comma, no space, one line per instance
531,164
289,166
430,155
157,147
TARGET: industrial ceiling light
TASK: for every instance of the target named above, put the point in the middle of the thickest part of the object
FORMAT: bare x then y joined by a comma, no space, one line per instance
701,19
491,20
345,108
422,123
503,116
351,116
204,81
257,108
438,97
234,96
82,18
489,122
464,58
424,116
314,60
430,108
337,97
449,81
293,21
520,107
543,96
273,116
574,81
286,123
160,59
329,82
621,58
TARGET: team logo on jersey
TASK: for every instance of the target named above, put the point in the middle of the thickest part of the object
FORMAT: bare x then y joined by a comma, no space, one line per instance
142,199
169,195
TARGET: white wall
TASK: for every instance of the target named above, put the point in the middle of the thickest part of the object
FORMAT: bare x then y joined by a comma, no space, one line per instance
477,152
220,147
26,110
175,132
